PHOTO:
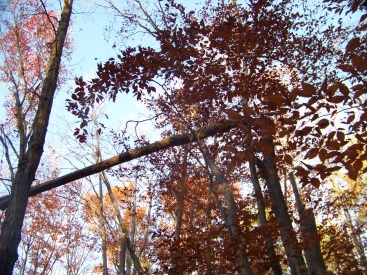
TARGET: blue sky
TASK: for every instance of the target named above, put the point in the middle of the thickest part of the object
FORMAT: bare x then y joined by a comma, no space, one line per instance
91,46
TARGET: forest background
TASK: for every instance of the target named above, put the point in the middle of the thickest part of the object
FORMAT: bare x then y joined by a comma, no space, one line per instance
250,98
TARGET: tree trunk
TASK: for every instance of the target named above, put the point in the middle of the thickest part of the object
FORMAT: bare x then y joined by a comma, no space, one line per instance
28,163
288,236
277,269
310,236
129,244
231,217
103,229
122,255
356,238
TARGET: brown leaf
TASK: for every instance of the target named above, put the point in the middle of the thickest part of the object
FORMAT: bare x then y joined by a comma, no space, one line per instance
322,155
357,165
249,110
244,128
344,90
348,69
333,145
359,62
230,148
323,123
288,159
350,119
312,153
337,99
352,174
308,90
277,99
315,182
358,93
234,115
249,156
353,44
340,136
324,85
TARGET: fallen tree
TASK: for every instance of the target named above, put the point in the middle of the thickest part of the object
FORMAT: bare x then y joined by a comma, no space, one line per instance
162,144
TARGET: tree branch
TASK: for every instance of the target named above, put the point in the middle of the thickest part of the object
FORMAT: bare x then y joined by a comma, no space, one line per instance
162,144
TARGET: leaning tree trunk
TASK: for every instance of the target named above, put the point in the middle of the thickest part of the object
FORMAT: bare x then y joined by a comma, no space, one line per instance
287,234
310,236
28,162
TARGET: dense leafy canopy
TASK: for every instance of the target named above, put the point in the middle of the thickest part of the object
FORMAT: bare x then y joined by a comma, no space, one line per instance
282,88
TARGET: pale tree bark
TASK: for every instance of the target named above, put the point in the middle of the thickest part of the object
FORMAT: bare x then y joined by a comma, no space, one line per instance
124,230
28,162
101,218
122,258
356,238
230,216
180,200
125,240
277,269
103,229
287,233
310,237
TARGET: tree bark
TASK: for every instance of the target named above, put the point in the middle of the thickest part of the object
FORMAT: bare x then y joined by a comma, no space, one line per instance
310,237
28,163
288,236
122,255
103,229
231,218
277,269
124,230
162,144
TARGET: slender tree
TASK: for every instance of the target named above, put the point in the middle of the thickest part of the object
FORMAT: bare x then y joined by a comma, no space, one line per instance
31,149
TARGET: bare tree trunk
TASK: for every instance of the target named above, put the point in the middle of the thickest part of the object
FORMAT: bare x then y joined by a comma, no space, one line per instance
277,269
132,229
122,255
288,236
358,244
28,162
230,218
103,229
310,236
122,226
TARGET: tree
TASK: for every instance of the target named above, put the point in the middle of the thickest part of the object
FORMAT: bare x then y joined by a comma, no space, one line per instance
30,143
259,66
